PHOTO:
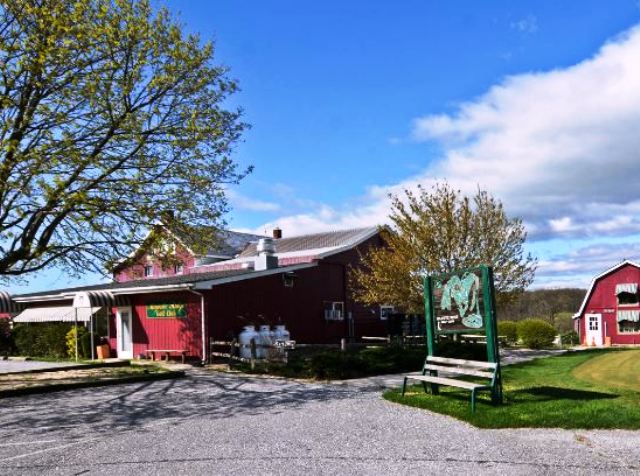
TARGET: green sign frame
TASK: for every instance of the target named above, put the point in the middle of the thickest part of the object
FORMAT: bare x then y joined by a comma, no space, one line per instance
463,302
166,311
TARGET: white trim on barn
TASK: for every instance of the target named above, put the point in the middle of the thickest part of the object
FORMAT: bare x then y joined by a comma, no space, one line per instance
631,288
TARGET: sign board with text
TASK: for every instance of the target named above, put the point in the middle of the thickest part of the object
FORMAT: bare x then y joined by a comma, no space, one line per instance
166,311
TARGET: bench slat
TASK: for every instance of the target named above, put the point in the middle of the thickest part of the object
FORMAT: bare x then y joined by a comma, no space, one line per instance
448,381
460,370
467,363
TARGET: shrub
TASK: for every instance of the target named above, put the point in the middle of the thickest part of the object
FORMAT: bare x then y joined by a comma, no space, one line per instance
536,333
509,330
570,338
84,343
6,338
42,339
334,364
563,322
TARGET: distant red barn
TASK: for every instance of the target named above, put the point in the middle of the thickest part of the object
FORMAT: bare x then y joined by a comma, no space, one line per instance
610,311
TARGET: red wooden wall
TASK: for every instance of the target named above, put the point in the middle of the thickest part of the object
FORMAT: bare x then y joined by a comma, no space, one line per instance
301,307
163,333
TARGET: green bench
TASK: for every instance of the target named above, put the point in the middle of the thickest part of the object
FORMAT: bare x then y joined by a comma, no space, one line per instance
470,368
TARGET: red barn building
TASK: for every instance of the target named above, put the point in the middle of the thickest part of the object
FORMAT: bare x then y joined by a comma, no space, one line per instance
610,311
301,282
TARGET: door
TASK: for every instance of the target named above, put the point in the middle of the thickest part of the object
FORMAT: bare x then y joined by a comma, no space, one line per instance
124,333
593,329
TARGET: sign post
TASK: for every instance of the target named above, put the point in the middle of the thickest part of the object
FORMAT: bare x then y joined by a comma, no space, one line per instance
463,302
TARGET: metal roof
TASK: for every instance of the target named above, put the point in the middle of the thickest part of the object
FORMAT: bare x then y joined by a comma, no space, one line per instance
144,283
317,241
172,283
56,314
230,243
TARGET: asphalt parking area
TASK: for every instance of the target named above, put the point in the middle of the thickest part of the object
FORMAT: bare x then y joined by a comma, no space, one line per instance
216,423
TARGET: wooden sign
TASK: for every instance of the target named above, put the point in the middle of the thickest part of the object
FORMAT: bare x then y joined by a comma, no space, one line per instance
166,311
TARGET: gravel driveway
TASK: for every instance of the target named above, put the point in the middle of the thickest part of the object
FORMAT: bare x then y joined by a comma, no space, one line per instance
214,423
10,366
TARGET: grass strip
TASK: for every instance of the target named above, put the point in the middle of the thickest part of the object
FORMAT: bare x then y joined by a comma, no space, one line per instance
549,393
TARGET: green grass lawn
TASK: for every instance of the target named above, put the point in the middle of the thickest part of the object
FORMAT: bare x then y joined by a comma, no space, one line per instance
588,389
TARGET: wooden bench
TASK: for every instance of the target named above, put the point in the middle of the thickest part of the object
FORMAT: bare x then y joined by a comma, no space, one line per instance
151,353
459,367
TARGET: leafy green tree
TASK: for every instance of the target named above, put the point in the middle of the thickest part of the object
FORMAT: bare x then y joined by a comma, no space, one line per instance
111,118
438,231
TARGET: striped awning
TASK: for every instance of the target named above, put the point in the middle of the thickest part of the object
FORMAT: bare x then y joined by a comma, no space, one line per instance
55,314
630,315
7,304
89,299
631,288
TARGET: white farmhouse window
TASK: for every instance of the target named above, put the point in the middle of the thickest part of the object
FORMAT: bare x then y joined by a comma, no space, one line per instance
627,294
148,271
334,310
386,311
179,269
628,322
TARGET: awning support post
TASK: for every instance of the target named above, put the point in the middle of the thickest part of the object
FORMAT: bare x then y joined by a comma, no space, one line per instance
76,324
93,346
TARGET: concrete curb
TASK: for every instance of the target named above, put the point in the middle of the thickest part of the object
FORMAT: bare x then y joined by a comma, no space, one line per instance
56,387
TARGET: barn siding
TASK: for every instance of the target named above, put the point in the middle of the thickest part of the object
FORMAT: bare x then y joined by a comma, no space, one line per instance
301,308
136,270
603,301
169,333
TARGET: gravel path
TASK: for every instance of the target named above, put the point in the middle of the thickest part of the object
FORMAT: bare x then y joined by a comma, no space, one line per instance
215,423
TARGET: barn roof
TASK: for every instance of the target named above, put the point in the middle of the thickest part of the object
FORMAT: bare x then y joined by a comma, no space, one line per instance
197,280
230,243
597,278
328,241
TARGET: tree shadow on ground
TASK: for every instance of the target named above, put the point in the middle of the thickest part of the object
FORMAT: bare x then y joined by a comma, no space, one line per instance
203,394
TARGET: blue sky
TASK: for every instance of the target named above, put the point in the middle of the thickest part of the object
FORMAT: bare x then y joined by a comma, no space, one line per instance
535,101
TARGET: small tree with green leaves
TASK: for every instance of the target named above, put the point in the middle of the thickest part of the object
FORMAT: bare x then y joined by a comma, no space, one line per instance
438,231
111,118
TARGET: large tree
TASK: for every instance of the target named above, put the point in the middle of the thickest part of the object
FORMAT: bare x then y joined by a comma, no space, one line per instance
439,230
111,119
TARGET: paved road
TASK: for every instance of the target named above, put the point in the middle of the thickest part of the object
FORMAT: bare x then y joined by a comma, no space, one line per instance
9,366
223,424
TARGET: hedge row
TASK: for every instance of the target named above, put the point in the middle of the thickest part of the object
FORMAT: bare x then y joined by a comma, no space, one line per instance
533,333
50,339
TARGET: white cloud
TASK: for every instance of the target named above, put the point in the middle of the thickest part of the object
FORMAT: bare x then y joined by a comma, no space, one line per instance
560,148
579,266
242,202
525,25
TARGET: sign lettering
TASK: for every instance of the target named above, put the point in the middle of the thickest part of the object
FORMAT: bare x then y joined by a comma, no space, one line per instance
166,311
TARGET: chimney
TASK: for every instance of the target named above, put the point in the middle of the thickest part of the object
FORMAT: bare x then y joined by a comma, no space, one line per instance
266,259
277,233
